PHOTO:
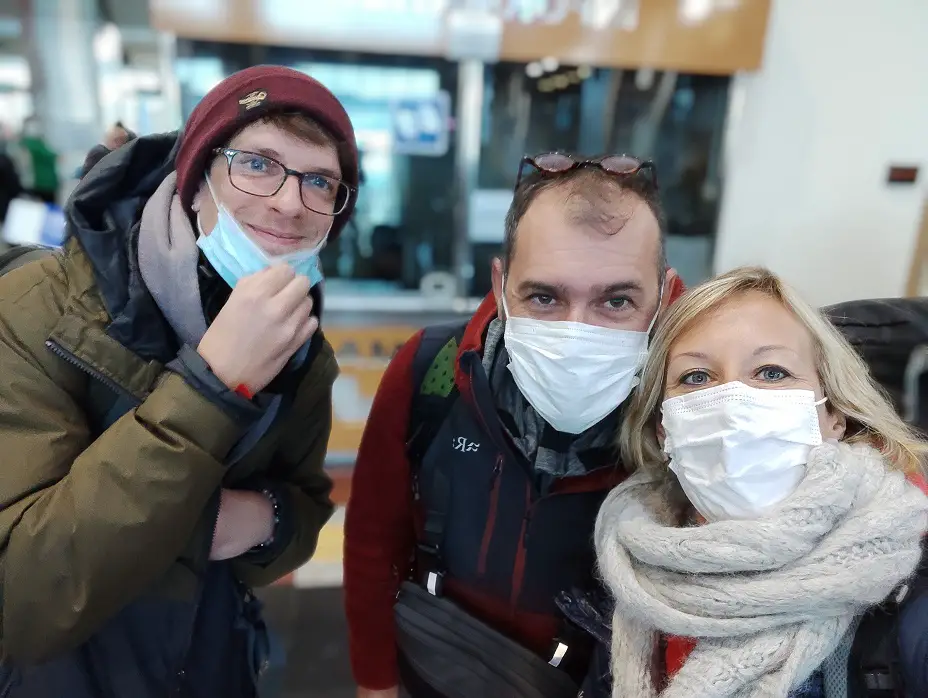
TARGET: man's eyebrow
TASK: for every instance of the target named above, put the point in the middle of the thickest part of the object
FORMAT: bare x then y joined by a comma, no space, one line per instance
271,153
328,172
530,286
556,290
617,288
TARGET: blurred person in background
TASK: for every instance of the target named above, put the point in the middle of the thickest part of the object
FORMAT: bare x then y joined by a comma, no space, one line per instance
778,499
489,447
115,137
37,162
165,401
10,184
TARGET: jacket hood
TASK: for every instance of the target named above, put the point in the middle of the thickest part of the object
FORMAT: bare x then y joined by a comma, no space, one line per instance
103,216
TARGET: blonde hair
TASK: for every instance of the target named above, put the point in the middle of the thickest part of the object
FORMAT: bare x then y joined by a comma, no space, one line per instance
846,380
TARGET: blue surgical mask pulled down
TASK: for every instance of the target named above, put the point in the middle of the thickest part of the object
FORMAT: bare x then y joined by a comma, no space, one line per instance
234,255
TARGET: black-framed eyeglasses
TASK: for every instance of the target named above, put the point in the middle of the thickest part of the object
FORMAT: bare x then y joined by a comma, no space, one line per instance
619,165
262,175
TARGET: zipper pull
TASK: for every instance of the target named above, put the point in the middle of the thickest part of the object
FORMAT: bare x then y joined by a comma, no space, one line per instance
496,471
528,525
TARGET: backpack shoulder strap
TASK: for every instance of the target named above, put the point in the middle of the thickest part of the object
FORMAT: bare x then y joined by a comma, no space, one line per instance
874,663
434,393
434,390
16,257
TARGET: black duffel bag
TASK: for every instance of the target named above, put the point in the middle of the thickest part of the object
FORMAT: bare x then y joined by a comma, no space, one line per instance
887,333
458,656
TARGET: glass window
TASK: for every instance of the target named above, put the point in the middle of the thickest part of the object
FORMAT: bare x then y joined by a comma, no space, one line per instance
675,120
401,228
403,225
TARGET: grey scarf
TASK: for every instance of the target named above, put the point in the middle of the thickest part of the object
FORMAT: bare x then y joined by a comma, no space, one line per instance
529,425
769,599
168,257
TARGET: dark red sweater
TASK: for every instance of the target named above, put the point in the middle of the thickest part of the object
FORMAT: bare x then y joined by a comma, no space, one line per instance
381,524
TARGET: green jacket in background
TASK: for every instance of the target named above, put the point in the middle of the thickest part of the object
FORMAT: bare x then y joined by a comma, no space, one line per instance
42,164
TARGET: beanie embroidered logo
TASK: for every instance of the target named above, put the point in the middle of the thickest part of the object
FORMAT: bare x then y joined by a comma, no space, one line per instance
253,99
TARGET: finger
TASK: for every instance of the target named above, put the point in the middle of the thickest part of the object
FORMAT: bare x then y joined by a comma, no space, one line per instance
300,333
297,315
307,330
271,280
292,296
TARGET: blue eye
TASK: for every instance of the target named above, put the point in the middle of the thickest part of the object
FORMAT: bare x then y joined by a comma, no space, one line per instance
317,182
695,378
256,164
772,373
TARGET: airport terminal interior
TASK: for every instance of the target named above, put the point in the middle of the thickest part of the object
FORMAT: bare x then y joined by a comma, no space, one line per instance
783,132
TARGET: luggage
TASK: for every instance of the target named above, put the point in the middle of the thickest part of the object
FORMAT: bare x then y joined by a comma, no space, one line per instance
892,337
461,657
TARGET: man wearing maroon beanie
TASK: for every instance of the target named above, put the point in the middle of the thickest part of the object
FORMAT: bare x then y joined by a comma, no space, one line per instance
165,401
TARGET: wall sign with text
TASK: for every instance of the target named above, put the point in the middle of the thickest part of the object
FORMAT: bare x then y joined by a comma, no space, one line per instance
421,126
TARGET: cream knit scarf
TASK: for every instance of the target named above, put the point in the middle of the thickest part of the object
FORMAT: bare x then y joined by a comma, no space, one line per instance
768,600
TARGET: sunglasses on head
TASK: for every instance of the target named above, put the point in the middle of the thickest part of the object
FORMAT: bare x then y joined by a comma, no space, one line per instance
620,166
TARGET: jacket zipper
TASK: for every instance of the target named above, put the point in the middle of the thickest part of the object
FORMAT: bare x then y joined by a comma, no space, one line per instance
181,673
68,356
491,516
526,532
518,572
63,353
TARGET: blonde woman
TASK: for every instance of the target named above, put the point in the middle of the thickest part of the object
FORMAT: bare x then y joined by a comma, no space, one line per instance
772,507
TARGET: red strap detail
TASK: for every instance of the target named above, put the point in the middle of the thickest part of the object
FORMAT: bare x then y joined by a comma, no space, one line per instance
242,389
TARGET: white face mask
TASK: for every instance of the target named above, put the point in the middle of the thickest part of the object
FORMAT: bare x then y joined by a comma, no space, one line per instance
738,450
572,373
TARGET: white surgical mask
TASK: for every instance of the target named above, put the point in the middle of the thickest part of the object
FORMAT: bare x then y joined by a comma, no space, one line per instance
572,373
234,255
738,451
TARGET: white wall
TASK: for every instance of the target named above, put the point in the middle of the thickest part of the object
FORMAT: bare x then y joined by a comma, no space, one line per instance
843,93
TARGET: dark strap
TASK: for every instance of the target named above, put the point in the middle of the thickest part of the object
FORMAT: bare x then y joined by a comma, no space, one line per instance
434,394
875,653
434,390
18,256
432,398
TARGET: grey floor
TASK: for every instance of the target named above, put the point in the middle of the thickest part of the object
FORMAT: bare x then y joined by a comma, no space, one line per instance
311,623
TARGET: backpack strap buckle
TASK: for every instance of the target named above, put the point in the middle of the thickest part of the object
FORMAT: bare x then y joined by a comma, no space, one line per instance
434,582
557,656
878,682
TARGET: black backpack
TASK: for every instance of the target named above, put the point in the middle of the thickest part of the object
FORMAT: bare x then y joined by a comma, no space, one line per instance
434,393
891,335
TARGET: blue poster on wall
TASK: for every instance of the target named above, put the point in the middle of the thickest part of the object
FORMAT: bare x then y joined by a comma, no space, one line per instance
421,125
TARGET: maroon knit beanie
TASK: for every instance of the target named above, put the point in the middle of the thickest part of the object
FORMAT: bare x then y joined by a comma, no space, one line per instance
252,94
